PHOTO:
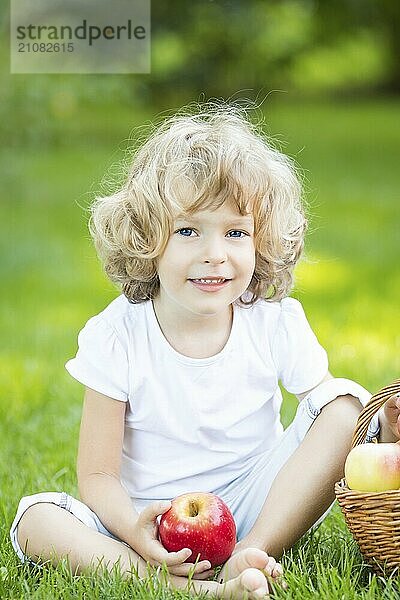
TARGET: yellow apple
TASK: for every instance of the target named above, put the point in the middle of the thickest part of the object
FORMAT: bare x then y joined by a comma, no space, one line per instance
373,467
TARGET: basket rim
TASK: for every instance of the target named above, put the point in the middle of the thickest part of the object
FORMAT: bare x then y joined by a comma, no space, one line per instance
341,487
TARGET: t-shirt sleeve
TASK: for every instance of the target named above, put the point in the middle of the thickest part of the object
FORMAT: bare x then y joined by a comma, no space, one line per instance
101,362
300,360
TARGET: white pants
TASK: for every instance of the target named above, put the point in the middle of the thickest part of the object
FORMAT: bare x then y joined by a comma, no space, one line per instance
245,495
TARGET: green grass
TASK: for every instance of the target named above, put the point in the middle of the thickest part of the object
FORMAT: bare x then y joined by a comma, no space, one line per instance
52,283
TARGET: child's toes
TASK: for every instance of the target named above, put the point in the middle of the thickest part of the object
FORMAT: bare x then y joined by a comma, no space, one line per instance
254,583
277,575
271,565
277,571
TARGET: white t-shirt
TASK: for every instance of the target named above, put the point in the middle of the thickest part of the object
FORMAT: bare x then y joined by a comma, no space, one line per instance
197,423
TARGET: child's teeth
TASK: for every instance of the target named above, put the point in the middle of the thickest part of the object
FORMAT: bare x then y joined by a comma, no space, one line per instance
209,280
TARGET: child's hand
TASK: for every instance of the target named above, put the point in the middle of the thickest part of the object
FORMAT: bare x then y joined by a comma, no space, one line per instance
389,418
145,542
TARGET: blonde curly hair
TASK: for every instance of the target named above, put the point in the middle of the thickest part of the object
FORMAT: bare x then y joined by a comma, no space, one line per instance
197,160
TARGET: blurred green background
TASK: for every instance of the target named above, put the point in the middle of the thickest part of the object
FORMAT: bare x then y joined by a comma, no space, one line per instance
325,77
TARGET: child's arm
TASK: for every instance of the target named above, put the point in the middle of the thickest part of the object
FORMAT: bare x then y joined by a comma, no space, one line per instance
99,462
98,470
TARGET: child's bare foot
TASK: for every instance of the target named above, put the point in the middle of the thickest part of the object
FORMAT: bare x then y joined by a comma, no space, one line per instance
246,575
252,558
250,584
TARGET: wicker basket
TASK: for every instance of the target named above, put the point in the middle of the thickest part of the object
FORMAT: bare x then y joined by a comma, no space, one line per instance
373,517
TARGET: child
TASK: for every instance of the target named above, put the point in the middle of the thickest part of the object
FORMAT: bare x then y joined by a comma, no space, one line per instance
182,369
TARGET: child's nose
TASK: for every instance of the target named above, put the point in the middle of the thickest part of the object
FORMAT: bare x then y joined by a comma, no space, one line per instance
215,252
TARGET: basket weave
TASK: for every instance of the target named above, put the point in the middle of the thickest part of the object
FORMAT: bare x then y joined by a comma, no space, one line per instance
373,517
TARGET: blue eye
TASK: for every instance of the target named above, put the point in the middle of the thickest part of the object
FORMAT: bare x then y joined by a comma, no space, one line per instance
183,230
239,232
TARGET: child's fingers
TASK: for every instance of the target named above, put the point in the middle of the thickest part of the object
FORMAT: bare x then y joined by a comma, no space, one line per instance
173,559
201,571
390,412
393,401
180,567
205,574
156,554
392,408
151,512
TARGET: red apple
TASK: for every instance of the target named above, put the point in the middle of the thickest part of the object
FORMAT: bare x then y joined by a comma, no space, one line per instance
373,467
202,522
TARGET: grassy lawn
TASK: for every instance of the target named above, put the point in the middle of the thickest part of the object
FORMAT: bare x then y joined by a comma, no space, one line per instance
349,283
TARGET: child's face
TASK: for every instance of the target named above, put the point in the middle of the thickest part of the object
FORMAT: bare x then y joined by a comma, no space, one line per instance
211,243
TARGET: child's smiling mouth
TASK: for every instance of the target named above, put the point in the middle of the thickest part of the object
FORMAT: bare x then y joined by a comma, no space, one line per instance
210,280
210,284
